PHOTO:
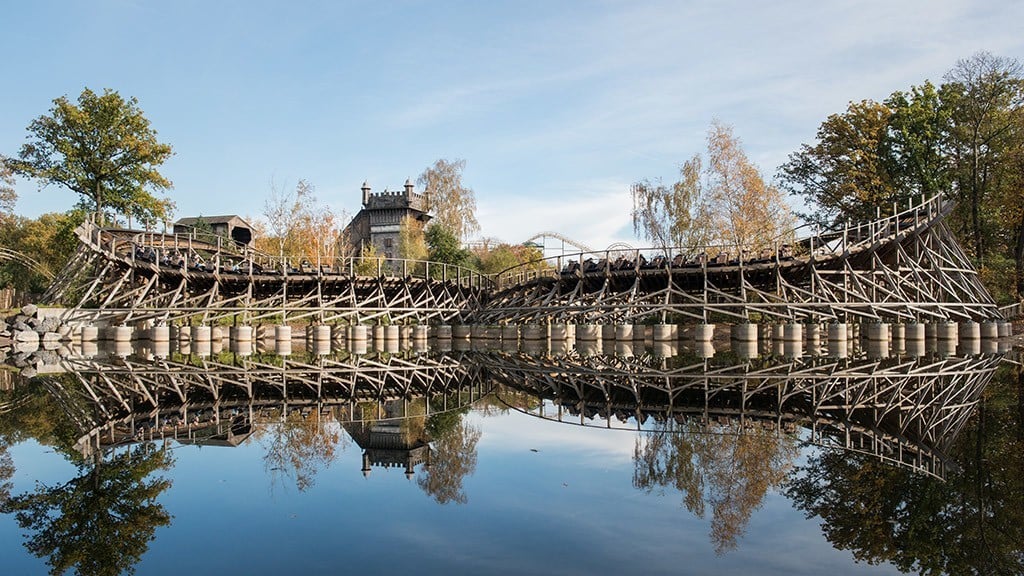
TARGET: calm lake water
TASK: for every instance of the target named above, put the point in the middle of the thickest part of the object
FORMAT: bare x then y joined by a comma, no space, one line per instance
552,461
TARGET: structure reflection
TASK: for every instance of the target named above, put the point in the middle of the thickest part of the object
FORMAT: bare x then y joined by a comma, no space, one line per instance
720,427
724,431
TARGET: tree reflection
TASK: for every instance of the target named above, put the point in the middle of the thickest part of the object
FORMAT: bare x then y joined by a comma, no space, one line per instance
452,458
6,472
973,523
728,467
100,522
300,445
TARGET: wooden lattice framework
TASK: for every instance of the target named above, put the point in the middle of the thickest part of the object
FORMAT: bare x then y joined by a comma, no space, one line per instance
903,411
123,276
112,400
904,267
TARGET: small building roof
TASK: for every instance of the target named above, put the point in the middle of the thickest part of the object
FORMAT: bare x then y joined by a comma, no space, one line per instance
226,219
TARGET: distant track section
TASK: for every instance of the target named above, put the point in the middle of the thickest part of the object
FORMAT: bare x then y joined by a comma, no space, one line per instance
548,234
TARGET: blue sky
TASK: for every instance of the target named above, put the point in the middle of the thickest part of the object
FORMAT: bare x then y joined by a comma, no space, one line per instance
557,106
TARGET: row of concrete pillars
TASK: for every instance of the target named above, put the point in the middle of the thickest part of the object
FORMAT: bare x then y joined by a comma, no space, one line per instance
586,332
747,340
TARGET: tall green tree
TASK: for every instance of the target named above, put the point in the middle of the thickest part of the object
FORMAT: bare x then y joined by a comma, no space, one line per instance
444,247
451,202
984,94
46,243
844,175
104,149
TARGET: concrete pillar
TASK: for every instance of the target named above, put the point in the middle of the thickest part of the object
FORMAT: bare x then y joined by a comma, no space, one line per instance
462,332
444,332
878,349
666,349
662,332
639,332
838,348
608,332
360,345
320,347
745,348
588,333
420,332
283,347
392,333
624,348
915,331
989,330
378,332
122,334
877,332
704,332
588,347
946,331
916,346
744,333
161,333
705,348
931,330
90,333
969,330
559,332
202,334
282,333
793,332
969,347
946,346
534,332
837,332
623,332
241,333
1005,329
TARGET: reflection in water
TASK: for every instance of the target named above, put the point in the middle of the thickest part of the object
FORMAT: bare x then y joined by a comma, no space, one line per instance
722,429
728,465
973,523
100,522
724,432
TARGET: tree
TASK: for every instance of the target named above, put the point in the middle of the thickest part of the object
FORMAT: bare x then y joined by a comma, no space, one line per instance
504,256
46,243
100,522
452,204
844,176
284,211
729,467
742,209
971,523
8,197
412,241
444,247
453,457
104,149
668,216
301,446
985,94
